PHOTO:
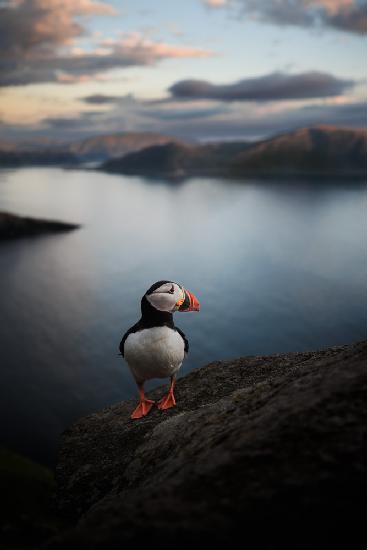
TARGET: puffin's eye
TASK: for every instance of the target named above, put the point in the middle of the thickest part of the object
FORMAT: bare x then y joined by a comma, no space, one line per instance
172,290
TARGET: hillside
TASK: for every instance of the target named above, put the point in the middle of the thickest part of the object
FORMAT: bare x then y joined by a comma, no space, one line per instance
322,150
271,447
318,150
177,160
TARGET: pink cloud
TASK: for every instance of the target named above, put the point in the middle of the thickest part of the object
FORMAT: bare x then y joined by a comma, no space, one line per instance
37,44
136,46
36,27
332,6
216,3
344,15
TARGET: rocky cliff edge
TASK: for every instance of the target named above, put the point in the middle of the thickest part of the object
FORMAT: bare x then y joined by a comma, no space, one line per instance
271,447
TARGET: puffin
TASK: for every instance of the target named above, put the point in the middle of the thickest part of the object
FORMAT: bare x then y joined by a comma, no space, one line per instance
154,347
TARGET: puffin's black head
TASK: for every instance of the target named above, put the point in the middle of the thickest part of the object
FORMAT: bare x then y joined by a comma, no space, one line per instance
170,297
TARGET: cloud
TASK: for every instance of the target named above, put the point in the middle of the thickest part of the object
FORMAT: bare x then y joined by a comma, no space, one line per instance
348,114
210,122
64,123
160,110
37,44
275,86
134,48
216,3
182,114
100,99
344,15
240,121
33,28
353,20
254,124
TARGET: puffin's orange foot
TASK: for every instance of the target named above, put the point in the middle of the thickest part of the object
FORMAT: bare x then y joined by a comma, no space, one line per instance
167,402
142,409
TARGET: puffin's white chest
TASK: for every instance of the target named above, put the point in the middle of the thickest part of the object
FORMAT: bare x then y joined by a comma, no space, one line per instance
155,352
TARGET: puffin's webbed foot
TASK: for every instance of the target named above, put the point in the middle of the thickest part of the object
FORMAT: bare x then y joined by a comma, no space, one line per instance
168,400
144,406
142,409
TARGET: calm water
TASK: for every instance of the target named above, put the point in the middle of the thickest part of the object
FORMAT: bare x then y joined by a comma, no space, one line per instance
276,266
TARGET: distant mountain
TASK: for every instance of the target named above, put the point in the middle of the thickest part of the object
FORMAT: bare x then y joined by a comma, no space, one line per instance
321,150
39,151
318,150
94,149
7,146
177,159
100,148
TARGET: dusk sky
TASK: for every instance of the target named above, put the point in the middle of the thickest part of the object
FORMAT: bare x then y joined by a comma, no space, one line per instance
203,69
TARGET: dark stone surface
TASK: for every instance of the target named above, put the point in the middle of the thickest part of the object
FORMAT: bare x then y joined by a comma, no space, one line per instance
12,226
271,449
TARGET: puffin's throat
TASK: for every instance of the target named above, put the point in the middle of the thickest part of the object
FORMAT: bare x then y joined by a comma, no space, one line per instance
152,317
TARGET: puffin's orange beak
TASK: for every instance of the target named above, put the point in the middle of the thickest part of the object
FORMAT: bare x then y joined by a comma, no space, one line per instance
190,303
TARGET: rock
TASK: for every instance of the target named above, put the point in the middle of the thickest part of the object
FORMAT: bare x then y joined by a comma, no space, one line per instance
12,226
269,447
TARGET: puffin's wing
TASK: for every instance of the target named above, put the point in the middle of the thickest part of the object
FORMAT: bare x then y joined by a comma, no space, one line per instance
131,330
184,339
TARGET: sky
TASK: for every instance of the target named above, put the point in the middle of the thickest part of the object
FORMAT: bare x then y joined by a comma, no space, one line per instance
195,69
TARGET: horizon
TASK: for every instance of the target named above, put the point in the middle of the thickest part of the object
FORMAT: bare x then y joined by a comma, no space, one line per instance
190,141
82,68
